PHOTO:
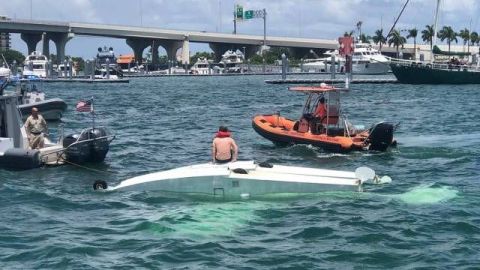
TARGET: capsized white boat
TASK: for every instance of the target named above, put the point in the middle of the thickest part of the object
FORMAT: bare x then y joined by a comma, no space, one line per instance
247,178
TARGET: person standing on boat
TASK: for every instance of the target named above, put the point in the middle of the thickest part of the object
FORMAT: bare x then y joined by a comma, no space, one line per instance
224,148
36,127
321,110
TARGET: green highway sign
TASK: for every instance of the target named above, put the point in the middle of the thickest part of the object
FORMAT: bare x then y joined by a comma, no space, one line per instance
239,12
249,14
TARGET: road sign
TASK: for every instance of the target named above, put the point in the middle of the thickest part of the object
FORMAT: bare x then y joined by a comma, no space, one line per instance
249,14
253,14
239,12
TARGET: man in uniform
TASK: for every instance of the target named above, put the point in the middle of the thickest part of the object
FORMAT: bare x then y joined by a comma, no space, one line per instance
36,127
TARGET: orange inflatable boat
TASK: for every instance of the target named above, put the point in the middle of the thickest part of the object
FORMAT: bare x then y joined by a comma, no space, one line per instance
322,125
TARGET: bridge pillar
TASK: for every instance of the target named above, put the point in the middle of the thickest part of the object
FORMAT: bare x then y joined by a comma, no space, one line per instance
171,47
155,46
46,45
60,40
31,40
220,48
138,45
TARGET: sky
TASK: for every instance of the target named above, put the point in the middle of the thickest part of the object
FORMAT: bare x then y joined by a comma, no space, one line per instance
326,19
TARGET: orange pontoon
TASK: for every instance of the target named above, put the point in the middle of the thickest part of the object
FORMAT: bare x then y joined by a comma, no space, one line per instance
323,127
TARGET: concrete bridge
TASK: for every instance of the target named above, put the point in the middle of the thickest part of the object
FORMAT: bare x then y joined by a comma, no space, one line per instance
140,38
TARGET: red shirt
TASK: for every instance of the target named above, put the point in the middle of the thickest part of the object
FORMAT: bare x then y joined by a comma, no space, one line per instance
321,110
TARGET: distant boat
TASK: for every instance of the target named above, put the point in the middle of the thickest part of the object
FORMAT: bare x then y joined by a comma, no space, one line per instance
201,67
106,66
232,62
31,95
451,71
35,64
366,60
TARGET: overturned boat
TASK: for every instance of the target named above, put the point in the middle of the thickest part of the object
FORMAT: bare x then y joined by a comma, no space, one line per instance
242,179
331,132
90,145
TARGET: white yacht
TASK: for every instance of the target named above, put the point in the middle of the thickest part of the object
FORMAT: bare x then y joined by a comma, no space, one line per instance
63,72
35,64
232,62
201,67
365,60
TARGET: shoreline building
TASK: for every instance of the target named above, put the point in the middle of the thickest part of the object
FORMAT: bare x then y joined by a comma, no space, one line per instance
4,37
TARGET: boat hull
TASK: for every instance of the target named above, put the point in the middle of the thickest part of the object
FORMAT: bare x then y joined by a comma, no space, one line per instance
51,109
415,74
281,131
243,178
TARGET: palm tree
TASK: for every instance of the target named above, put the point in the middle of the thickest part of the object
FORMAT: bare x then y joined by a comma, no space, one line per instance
465,35
427,35
359,27
348,34
364,38
474,38
397,40
448,34
379,38
412,33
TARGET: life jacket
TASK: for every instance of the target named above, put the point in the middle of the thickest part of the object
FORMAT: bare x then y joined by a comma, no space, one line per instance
223,134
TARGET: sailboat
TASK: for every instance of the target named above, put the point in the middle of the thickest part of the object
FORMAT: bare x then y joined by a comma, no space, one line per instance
453,72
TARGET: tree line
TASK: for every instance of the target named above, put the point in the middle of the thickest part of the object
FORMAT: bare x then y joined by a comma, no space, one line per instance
396,39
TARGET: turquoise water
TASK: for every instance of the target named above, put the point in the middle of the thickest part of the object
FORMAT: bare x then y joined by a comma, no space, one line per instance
428,217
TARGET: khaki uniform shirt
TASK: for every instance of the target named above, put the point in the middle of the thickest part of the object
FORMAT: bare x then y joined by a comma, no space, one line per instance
33,125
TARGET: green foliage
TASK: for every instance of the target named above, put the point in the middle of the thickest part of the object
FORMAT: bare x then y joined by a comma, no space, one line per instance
427,35
80,62
474,38
207,55
379,38
448,34
396,40
364,38
11,55
272,55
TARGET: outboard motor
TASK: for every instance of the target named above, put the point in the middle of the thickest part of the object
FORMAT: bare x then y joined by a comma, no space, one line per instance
20,159
99,147
91,145
381,136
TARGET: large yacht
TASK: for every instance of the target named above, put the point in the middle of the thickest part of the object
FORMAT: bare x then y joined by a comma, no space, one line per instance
232,62
201,67
36,64
365,60
106,57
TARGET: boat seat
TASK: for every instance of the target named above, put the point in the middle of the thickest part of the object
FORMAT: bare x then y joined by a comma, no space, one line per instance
333,115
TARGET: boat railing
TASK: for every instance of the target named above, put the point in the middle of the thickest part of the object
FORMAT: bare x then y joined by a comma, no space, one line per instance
435,65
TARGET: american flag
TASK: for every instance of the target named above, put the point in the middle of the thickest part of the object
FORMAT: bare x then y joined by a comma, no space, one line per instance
84,106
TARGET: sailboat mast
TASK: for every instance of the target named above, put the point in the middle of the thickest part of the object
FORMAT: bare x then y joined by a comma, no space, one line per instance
434,39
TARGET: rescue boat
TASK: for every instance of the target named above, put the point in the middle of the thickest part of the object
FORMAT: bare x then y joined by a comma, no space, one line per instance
331,131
